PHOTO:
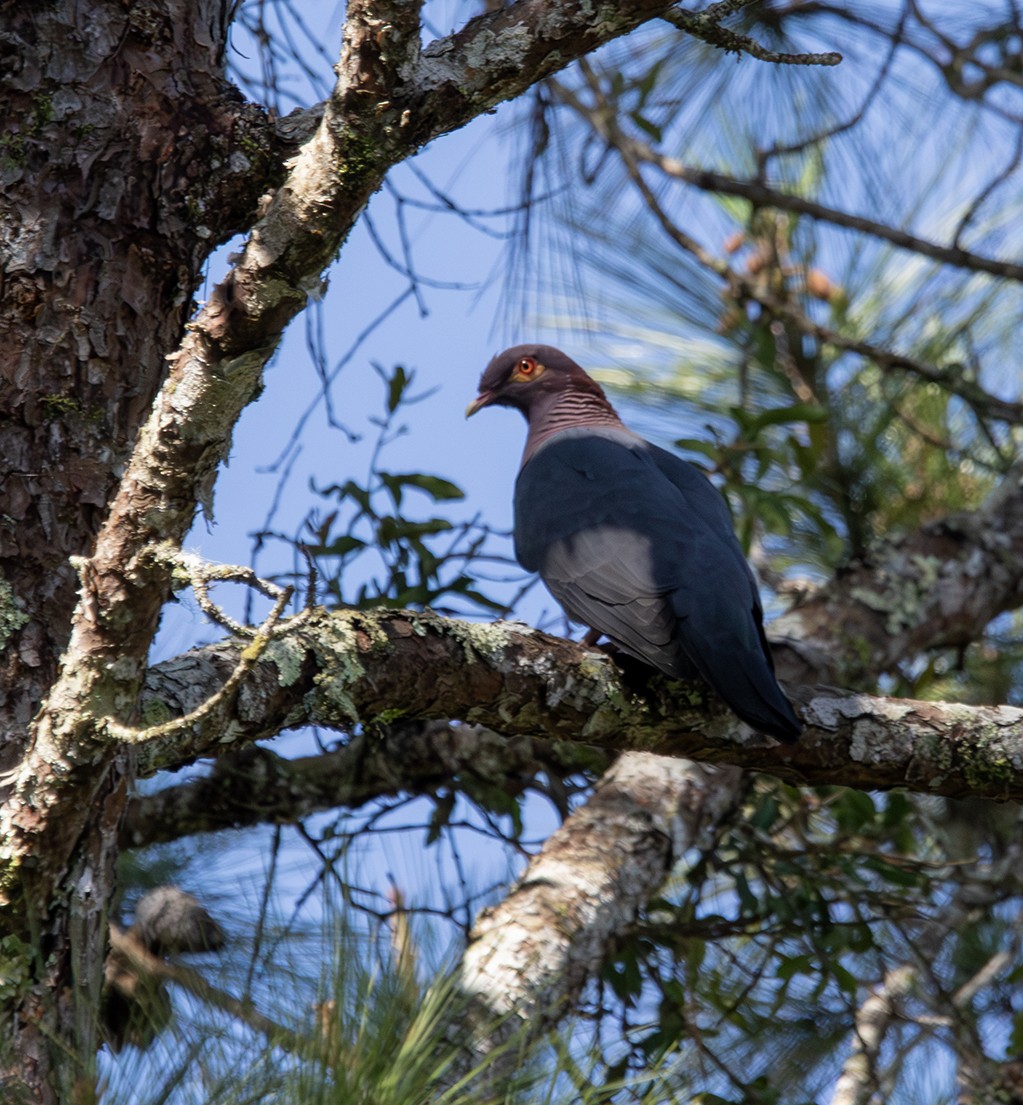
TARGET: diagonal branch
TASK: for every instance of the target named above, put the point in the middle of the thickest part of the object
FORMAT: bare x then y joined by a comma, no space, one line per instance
530,955
763,195
859,1078
389,99
936,587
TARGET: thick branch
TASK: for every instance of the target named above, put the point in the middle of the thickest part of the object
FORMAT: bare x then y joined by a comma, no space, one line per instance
530,955
254,786
342,669
936,587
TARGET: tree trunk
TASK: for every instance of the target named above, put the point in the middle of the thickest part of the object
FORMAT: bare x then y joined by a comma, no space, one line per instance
114,170
129,159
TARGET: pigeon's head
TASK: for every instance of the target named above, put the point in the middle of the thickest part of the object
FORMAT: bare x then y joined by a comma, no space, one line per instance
531,378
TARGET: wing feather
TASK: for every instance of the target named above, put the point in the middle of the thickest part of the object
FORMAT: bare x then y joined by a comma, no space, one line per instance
638,544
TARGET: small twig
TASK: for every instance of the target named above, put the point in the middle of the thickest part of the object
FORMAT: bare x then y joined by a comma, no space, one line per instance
705,26
199,575
779,150
859,1075
969,989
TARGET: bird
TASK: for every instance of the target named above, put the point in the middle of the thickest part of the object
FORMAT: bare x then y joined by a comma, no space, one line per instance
631,540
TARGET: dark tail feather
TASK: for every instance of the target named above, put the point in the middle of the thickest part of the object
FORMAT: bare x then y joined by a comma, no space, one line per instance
748,685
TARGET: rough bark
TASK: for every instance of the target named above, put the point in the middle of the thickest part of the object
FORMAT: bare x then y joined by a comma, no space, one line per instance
131,157
902,600
112,201
530,956
102,237
347,668
936,587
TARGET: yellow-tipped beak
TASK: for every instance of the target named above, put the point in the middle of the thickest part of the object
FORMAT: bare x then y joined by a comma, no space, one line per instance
478,402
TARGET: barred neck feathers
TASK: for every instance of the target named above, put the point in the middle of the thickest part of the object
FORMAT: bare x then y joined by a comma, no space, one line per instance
569,409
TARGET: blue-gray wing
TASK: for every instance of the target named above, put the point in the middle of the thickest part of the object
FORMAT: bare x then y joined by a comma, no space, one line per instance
639,545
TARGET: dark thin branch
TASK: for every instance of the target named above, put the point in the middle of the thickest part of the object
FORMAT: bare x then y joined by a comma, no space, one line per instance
704,26
254,786
743,290
762,195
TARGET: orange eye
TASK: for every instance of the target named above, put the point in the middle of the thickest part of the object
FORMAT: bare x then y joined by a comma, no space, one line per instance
527,366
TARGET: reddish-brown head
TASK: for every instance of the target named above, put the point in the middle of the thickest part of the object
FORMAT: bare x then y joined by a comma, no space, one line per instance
532,378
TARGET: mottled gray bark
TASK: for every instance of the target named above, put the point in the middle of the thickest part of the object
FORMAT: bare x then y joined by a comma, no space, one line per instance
130,158
346,668
530,956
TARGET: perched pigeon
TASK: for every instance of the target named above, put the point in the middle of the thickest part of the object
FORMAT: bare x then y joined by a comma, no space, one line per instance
631,540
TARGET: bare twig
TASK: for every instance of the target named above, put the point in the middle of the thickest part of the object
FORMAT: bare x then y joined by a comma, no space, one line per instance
705,26
200,574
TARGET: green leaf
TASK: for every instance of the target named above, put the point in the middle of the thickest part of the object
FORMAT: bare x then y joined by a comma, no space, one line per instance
854,809
791,965
340,546
624,976
845,979
766,813
698,445
747,899
396,386
652,129
392,529
779,416
439,489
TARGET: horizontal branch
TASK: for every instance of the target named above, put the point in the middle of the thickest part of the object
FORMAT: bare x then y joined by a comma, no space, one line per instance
936,587
350,668
255,786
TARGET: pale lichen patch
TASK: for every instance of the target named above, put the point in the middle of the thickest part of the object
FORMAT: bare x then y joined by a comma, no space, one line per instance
339,668
287,655
11,617
483,639
825,712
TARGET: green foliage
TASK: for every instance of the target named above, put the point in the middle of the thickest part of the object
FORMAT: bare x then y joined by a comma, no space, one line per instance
743,980
371,546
